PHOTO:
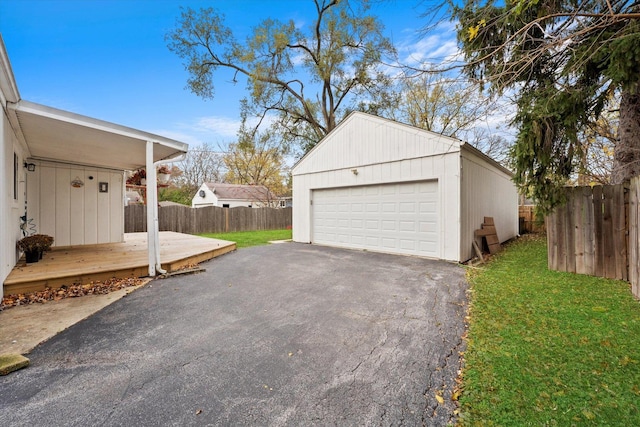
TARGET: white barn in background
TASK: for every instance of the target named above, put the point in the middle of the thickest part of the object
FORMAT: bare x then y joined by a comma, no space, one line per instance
383,186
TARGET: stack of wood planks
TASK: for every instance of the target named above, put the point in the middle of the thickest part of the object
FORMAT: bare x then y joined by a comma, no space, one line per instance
490,235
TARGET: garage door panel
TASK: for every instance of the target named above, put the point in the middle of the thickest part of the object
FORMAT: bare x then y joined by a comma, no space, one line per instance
372,224
387,189
407,226
407,244
407,207
389,225
398,218
371,241
389,207
389,243
427,226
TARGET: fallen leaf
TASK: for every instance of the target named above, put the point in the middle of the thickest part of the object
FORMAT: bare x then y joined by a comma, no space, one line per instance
199,411
439,399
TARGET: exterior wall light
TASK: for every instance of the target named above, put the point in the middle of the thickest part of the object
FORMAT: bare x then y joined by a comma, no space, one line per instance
30,166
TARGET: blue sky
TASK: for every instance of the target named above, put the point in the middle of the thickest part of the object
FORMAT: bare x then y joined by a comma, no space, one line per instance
108,58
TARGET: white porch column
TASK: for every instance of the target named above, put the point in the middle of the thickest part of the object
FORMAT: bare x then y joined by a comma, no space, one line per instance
153,242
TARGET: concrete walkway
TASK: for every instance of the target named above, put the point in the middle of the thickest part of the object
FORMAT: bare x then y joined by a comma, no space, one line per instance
22,328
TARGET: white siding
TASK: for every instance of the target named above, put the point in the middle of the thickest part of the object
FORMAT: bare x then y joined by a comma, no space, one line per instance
362,139
487,190
10,209
209,199
419,156
76,216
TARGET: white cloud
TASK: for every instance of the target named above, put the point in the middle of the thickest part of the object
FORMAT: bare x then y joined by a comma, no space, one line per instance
438,46
222,126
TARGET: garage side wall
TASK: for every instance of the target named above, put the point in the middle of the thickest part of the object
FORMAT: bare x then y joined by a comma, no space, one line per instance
444,168
486,190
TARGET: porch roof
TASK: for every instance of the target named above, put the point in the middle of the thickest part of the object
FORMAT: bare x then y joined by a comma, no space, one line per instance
58,135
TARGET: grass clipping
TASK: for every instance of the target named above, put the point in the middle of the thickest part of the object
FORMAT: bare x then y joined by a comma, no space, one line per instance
547,347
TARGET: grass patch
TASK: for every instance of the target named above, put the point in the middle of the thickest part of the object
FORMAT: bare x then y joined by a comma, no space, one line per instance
549,348
244,239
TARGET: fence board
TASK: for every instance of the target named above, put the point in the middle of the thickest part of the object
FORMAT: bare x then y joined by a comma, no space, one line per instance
578,221
569,242
607,227
620,232
597,231
588,235
588,230
210,219
634,235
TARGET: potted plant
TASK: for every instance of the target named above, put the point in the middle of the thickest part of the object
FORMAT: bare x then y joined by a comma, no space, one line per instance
139,177
33,246
164,174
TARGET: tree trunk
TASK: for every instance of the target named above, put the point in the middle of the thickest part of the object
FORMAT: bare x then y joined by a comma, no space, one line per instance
627,152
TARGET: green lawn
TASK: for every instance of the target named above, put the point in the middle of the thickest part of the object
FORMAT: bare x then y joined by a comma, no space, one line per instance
245,239
547,348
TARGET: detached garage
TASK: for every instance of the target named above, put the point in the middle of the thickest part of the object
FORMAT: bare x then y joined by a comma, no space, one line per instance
383,186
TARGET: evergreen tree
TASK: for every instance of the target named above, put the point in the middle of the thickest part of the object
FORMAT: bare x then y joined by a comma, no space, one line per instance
564,61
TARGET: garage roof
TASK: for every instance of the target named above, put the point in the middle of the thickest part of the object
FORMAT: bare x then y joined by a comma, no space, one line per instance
57,135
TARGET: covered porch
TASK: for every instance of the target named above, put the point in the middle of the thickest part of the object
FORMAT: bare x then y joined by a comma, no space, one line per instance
83,264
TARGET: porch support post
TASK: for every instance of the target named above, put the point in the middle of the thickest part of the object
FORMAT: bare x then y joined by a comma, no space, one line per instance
152,211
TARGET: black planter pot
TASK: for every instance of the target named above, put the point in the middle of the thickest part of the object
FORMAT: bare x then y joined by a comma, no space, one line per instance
32,256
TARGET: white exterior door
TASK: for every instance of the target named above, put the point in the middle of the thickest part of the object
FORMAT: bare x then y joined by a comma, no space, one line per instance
397,218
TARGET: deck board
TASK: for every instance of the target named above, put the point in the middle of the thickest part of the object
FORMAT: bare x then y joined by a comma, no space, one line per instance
81,264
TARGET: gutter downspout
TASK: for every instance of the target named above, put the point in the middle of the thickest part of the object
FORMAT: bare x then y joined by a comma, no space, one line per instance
153,235
153,232
156,221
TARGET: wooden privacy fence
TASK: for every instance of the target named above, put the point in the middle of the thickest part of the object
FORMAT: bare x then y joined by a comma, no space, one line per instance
596,233
528,221
634,235
211,219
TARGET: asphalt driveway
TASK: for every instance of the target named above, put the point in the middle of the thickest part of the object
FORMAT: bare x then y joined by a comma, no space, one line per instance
286,334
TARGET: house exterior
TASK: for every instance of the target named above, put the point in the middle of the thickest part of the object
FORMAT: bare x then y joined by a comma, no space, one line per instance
63,174
383,186
233,195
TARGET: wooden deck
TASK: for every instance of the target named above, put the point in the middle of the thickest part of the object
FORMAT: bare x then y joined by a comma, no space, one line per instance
83,264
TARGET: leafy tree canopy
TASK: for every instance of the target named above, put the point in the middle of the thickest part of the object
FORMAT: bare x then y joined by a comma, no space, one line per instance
564,61
306,76
256,159
449,106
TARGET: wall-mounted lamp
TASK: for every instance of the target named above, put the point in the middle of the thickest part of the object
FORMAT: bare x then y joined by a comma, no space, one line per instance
355,171
30,166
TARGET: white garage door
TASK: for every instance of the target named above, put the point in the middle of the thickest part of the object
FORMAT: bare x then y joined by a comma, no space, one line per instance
396,218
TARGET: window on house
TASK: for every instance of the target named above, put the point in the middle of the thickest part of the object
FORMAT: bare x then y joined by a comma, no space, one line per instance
225,205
